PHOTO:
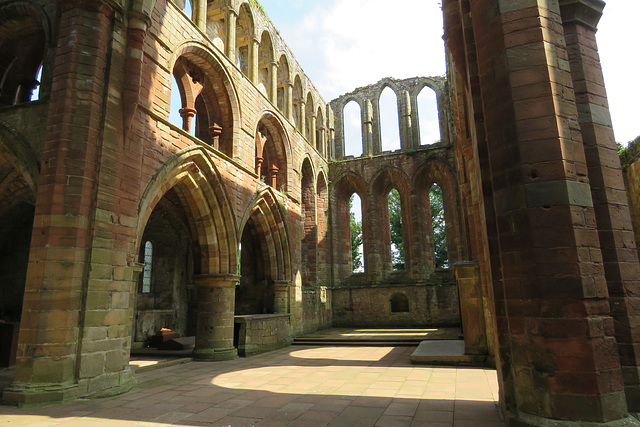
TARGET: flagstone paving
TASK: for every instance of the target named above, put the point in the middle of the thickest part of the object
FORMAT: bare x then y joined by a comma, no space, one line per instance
295,386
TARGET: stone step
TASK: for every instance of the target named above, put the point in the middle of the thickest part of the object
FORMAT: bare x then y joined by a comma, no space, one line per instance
446,352
369,343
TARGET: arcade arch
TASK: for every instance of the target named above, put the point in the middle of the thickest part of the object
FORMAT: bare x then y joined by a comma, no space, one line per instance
271,152
207,94
264,260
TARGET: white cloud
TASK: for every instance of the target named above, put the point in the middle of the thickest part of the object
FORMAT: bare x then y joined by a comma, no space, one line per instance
346,44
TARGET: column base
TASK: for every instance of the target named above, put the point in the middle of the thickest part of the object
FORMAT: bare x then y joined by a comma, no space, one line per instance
215,354
23,395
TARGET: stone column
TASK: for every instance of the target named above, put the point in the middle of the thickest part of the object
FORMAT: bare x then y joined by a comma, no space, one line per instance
215,131
273,79
260,142
367,128
230,44
216,306
201,15
404,108
254,49
281,302
302,115
622,272
312,130
187,114
273,175
288,100
321,142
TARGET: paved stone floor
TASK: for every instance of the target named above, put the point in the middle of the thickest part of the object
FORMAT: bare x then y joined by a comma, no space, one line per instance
295,386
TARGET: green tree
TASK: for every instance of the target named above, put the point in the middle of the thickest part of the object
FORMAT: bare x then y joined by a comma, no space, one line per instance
356,238
441,256
395,222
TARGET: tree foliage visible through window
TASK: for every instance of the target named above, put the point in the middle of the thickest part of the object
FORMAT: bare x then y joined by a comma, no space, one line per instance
356,238
441,256
395,220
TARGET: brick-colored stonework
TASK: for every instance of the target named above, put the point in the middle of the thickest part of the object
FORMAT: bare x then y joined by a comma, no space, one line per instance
115,222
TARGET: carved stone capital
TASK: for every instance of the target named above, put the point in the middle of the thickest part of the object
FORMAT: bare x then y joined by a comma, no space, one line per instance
583,12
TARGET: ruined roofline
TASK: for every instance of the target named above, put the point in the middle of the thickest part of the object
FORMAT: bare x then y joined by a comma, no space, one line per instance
437,82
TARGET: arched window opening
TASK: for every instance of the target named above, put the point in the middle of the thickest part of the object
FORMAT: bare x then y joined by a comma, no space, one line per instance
399,303
352,129
322,216
429,123
389,123
283,81
200,104
309,131
175,103
146,273
183,107
22,49
188,9
310,227
265,62
297,103
271,159
35,95
436,204
244,38
355,225
395,225
320,132
216,23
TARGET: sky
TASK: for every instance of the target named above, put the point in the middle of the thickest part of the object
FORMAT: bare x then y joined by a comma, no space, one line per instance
345,44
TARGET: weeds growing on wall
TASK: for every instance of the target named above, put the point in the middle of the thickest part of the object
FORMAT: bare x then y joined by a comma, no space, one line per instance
628,155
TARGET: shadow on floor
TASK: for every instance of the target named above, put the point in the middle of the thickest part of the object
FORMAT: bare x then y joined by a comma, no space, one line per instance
297,386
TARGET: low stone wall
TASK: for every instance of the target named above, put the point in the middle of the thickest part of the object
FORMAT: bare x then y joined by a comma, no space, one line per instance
259,333
383,306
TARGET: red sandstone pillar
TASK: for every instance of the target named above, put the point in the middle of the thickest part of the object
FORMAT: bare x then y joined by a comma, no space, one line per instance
613,219
273,175
558,357
187,114
53,363
216,306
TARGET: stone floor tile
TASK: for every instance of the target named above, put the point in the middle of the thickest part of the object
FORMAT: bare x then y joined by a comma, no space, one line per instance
343,421
376,402
393,421
437,405
433,416
346,387
401,408
237,422
209,415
